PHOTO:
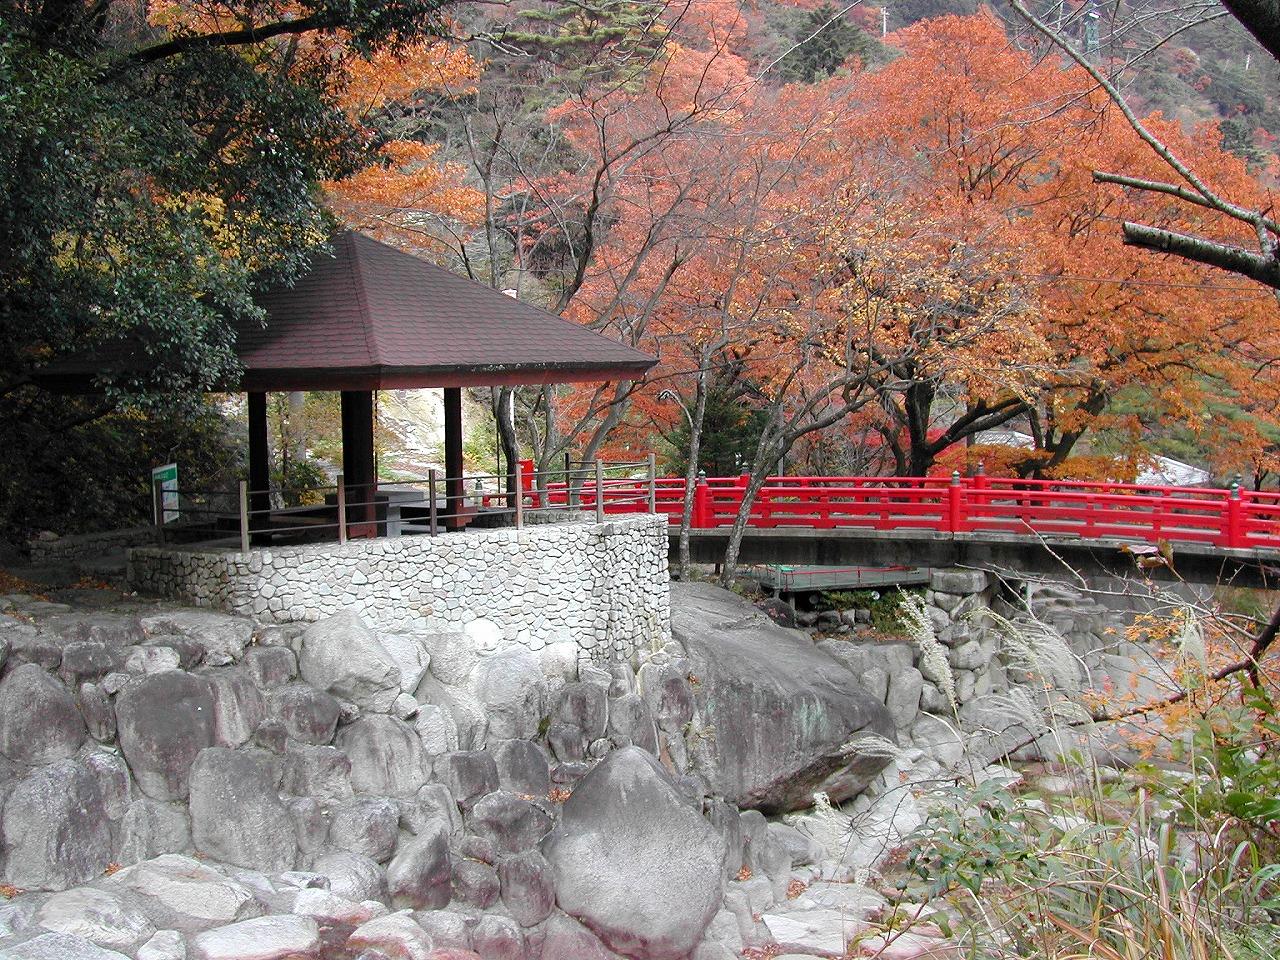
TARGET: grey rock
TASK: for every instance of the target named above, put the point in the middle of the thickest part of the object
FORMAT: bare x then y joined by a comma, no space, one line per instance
148,658
420,875
98,713
958,581
470,724
563,936
99,917
353,876
903,698
111,774
446,928
89,660
512,692
585,706
116,629
396,936
386,756
151,828
190,651
968,656
165,945
60,946
309,715
668,694
320,772
342,656
776,715
453,657
262,938
725,819
436,728
56,833
223,637
433,802
469,775
498,938
310,823
513,823
522,767
271,735
633,861
475,883
182,894
238,705
801,850
409,653
163,721
271,667
39,722
260,835
566,742
629,721
527,889
367,826
479,849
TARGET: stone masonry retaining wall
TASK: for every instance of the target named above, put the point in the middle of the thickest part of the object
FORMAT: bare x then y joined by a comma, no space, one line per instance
603,587
53,549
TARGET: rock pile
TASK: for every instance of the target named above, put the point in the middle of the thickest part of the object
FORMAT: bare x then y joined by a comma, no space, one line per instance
180,783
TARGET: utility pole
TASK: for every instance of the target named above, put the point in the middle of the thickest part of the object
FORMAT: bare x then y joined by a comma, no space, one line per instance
884,23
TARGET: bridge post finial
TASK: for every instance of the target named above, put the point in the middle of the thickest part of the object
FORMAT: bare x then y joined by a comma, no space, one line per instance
981,469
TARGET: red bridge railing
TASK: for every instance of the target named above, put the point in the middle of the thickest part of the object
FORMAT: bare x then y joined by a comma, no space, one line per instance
1233,518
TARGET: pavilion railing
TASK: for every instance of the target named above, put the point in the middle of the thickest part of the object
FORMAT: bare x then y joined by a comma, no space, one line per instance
433,504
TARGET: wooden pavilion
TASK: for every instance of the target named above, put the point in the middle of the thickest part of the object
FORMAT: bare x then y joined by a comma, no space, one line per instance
366,316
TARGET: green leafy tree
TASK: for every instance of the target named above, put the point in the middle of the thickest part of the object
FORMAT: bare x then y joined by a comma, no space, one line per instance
152,169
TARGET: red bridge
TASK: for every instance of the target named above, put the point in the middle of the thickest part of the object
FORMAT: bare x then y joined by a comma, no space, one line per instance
1235,518
839,519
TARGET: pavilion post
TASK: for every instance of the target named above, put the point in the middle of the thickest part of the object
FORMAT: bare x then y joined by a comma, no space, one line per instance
259,461
453,483
358,470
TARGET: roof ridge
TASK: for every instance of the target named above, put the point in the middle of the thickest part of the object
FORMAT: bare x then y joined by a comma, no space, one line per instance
371,343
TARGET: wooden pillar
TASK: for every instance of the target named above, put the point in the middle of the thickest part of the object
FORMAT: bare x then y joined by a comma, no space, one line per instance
358,467
453,455
259,462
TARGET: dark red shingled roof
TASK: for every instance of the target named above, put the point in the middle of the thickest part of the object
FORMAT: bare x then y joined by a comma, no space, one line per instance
369,317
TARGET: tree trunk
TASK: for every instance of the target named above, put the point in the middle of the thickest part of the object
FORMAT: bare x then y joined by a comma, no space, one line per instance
691,472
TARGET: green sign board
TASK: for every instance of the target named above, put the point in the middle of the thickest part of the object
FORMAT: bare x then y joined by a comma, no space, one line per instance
164,487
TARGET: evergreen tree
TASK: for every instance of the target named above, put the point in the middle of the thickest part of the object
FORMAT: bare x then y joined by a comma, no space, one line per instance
825,41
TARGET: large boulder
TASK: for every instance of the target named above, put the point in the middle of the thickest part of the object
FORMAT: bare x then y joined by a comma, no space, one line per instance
39,722
97,916
386,756
56,832
163,721
634,861
420,875
223,637
775,718
512,692
236,814
238,705
343,656
262,938
179,893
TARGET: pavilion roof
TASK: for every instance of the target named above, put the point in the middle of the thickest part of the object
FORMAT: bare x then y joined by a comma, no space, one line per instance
372,317
367,316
